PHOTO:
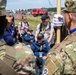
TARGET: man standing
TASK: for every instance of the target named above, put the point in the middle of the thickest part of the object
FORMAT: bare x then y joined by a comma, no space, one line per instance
47,29
61,60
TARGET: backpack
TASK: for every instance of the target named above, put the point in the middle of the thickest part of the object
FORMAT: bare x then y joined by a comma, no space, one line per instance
40,28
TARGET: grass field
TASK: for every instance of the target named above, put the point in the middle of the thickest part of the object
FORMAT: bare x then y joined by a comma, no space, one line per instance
34,21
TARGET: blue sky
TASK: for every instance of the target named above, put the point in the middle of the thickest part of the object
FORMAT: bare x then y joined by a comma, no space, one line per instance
27,4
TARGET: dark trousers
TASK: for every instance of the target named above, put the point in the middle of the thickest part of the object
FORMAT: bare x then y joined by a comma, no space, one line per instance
39,66
19,38
52,45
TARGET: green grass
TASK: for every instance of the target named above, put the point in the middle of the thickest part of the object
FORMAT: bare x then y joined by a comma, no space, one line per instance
34,21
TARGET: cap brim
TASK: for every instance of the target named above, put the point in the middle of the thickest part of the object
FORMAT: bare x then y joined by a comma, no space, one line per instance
43,18
65,9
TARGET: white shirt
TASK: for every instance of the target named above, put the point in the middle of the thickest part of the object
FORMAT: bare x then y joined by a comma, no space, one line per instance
23,26
47,32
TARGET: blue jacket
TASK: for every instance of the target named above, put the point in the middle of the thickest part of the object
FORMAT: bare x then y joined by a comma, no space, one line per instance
36,48
9,36
28,39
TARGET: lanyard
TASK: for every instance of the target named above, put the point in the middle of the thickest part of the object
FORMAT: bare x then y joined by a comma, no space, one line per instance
41,48
10,31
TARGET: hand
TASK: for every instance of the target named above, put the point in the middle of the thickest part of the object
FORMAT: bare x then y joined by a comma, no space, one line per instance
35,39
44,57
48,41
20,35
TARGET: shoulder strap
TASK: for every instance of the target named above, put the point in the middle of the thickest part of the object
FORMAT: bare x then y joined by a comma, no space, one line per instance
41,26
40,29
49,25
21,24
27,23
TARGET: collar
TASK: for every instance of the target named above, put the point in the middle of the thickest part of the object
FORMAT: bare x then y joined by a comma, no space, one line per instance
73,30
40,43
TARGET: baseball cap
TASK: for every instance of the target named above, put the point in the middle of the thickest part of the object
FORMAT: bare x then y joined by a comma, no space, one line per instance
70,6
44,17
40,36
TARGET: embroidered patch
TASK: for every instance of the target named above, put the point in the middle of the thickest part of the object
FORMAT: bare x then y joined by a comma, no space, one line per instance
45,71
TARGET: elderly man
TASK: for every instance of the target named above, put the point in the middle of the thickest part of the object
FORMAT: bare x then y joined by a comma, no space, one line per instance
47,29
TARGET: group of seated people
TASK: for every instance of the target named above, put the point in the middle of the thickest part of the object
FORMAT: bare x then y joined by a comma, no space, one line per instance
12,34
19,33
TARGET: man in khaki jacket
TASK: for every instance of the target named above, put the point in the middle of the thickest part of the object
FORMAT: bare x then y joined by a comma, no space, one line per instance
61,59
